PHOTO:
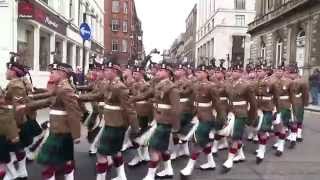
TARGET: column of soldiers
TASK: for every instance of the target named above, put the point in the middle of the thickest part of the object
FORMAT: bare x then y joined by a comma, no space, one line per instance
174,111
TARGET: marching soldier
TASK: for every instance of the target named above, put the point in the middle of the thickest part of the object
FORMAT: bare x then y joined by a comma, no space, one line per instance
184,85
65,116
300,99
166,113
242,108
118,115
9,136
220,138
144,111
283,103
266,95
206,99
15,95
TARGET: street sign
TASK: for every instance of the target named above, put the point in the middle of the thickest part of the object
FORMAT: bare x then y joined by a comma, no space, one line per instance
85,31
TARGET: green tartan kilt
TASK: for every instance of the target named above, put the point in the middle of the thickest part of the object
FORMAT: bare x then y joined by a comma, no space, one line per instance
160,138
4,150
201,136
299,114
185,123
111,140
239,127
57,150
285,115
29,130
266,122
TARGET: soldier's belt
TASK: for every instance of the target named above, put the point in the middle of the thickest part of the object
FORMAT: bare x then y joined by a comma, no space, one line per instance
57,112
284,97
239,103
101,103
299,95
110,107
182,100
141,102
197,104
163,106
223,98
6,107
268,98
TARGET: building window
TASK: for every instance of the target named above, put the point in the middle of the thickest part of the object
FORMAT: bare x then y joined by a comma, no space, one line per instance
240,4
125,26
240,20
125,7
45,1
115,6
263,52
115,46
115,25
279,53
270,4
124,45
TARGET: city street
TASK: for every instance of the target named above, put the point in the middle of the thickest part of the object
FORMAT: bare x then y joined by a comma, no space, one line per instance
300,163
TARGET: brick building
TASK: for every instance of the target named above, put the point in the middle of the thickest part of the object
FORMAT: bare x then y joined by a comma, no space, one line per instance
123,32
287,30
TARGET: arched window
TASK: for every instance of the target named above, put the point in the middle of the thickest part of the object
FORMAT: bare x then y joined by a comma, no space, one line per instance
279,51
263,51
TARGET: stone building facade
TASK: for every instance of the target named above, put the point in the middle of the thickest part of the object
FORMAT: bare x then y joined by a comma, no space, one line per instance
287,31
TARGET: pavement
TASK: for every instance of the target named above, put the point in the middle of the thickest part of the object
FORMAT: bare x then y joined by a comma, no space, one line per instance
301,163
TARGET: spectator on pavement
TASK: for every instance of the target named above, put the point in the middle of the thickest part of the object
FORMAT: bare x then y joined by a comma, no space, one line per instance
314,81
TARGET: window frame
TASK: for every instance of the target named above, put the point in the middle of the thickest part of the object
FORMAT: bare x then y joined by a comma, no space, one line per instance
115,43
242,20
115,27
115,9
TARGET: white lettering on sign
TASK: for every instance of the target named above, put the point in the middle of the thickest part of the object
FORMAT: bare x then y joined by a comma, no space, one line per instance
50,22
25,16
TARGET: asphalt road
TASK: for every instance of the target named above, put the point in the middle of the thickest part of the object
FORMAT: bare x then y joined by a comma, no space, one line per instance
301,163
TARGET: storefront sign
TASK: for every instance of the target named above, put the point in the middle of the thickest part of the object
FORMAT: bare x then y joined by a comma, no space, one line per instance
32,10
96,47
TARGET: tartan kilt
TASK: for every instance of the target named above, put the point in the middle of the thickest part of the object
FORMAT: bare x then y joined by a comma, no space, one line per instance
57,150
299,114
111,140
285,115
4,150
239,127
185,123
161,138
29,130
201,136
266,123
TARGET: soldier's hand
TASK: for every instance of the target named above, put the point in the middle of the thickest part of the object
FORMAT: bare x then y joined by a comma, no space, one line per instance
76,141
15,140
20,108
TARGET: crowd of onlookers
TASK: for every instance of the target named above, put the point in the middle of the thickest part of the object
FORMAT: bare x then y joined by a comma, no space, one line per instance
314,82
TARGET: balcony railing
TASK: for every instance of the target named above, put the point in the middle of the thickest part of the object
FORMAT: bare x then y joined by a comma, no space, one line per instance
283,9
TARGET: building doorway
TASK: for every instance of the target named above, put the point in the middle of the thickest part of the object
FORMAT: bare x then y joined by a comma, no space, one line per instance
238,43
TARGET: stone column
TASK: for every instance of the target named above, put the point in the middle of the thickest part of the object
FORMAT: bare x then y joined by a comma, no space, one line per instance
64,50
74,55
52,46
36,47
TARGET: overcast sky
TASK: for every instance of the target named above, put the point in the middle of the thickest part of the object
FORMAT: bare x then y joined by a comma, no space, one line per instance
162,21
